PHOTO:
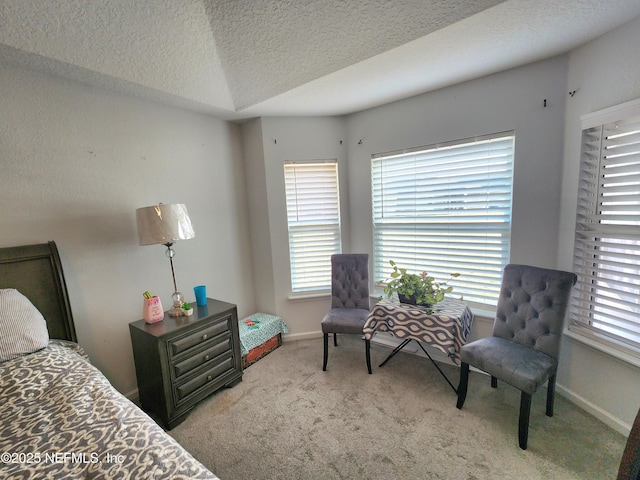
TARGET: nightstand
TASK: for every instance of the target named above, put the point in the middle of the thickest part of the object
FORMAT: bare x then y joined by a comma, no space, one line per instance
182,360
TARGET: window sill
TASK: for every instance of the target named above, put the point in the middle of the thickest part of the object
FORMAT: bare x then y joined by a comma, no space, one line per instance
483,313
605,345
303,297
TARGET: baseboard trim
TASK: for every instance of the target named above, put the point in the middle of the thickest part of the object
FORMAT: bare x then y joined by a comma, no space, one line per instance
605,417
292,337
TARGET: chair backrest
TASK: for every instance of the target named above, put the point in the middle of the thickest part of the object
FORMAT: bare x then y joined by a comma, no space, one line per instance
350,280
532,305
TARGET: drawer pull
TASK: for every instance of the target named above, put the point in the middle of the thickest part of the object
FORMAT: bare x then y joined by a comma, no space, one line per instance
206,380
207,333
223,345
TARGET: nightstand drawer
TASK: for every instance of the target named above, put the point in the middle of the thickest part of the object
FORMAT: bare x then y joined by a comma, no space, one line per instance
180,345
222,366
220,345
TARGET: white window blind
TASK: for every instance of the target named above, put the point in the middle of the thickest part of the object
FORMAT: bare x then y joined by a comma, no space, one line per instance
446,209
606,303
313,216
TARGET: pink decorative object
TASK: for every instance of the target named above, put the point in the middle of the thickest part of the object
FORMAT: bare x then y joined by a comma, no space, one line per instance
152,310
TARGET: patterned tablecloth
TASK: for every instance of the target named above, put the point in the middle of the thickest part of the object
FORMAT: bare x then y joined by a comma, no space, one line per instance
258,328
445,325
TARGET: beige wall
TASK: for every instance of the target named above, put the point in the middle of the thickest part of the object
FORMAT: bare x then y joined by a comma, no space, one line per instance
603,73
76,162
290,139
512,100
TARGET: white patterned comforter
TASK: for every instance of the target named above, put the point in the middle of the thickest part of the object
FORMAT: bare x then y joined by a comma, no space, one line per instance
60,418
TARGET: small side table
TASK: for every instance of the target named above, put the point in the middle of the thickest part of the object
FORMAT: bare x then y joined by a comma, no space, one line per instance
445,326
182,360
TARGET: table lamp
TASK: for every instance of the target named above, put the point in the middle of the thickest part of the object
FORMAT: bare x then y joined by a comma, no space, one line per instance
166,224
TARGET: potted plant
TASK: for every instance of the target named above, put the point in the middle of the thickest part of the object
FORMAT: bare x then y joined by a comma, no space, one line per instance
187,309
416,289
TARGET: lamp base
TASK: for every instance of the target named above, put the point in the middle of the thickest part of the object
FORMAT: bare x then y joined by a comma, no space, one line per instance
178,300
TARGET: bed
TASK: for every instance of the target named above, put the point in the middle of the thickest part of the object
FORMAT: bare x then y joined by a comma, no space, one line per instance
59,416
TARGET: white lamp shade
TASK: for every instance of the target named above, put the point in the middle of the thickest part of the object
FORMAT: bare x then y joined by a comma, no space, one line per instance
163,224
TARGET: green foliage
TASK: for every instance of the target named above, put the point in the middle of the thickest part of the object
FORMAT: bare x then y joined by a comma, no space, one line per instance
422,287
186,306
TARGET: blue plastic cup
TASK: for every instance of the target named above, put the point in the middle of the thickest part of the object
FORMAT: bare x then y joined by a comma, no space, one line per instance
201,295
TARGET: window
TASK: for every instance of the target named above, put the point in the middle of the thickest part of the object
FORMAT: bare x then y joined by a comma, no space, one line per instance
313,216
446,209
606,303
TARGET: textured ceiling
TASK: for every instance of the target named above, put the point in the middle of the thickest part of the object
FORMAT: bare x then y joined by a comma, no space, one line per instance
244,58
268,48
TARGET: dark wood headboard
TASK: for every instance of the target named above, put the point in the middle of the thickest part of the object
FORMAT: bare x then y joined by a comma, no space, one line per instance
36,272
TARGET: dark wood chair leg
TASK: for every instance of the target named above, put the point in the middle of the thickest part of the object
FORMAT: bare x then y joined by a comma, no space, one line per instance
335,339
326,351
462,385
551,390
494,382
523,423
367,349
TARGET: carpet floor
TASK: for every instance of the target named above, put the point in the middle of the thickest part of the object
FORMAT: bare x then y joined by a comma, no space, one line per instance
288,419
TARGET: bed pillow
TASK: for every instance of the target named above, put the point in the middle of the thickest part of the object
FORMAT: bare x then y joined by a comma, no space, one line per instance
23,329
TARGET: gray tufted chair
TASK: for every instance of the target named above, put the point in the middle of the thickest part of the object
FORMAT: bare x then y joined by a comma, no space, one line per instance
349,300
525,345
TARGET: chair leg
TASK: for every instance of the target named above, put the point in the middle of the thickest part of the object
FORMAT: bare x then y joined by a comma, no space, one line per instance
551,389
523,423
462,386
326,351
367,348
494,382
335,339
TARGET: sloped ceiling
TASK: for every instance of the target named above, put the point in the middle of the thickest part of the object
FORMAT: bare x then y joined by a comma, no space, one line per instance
237,59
